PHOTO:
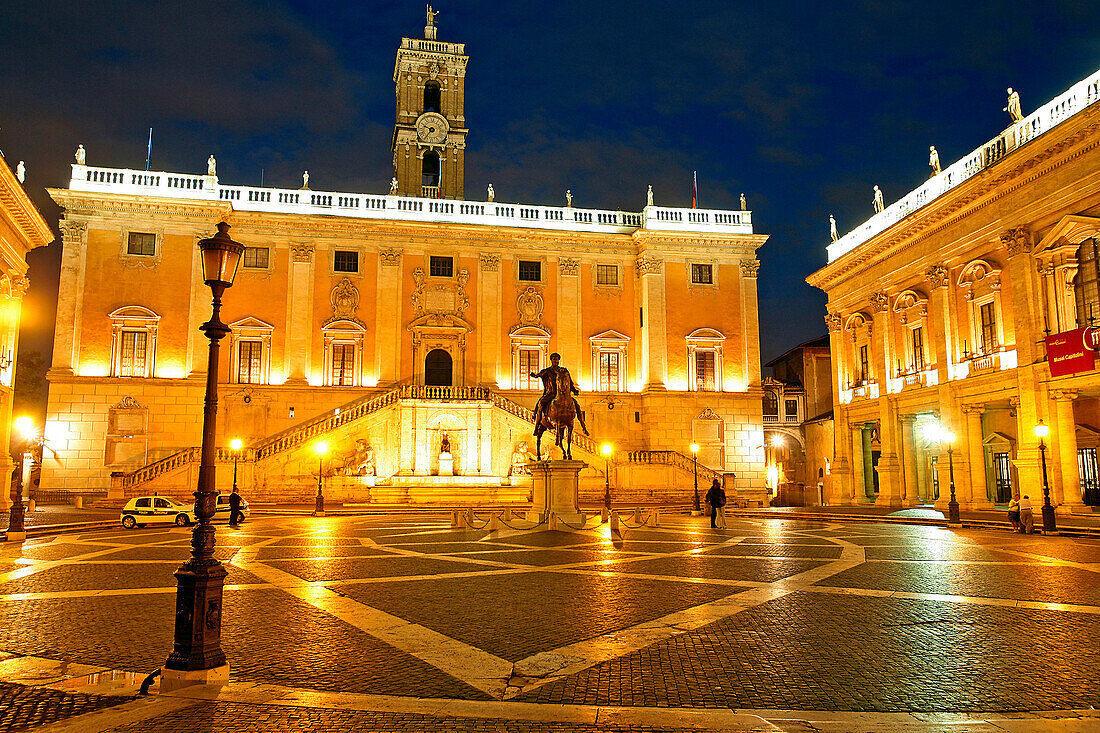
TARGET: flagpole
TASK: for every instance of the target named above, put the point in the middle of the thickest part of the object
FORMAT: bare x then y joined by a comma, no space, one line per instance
149,149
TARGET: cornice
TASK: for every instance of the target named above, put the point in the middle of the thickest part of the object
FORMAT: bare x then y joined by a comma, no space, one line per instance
1016,170
85,204
16,206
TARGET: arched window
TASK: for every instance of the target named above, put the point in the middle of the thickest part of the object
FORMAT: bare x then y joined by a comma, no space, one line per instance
438,368
771,405
430,169
133,341
1086,286
431,97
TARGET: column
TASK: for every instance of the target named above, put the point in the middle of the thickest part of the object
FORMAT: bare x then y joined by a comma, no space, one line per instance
299,309
489,331
977,496
387,318
1066,494
889,465
909,461
568,317
70,296
650,270
750,322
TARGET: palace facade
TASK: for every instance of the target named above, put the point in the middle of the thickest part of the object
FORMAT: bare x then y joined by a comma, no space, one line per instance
383,323
967,308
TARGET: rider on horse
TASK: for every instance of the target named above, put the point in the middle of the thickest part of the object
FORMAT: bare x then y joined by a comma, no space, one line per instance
549,377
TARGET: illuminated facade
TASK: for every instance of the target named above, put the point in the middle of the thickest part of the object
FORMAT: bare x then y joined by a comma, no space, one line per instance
385,321
940,311
22,229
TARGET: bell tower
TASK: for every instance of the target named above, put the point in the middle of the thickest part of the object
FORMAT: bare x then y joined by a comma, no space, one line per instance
429,135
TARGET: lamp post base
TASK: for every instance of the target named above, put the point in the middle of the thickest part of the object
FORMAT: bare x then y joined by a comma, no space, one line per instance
1049,524
175,679
953,519
15,536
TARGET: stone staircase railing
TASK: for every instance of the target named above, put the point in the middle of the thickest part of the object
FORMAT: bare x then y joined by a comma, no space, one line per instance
179,459
673,458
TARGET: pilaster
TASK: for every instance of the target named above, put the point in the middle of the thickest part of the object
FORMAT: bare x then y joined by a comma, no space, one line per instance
569,314
70,296
387,318
750,322
489,308
298,317
889,465
939,281
650,270
1066,493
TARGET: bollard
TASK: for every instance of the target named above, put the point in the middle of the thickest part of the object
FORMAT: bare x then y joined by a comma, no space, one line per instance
603,516
456,520
637,515
616,533
78,502
553,522
654,519
470,517
494,522
31,505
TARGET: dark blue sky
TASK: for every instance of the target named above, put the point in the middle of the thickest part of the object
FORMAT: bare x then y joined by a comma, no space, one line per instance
803,106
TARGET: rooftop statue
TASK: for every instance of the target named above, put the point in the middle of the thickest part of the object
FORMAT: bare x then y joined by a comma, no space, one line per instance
21,172
305,179
744,203
568,197
649,197
878,200
393,185
934,160
557,408
431,15
211,166
491,193
1013,107
833,236
80,155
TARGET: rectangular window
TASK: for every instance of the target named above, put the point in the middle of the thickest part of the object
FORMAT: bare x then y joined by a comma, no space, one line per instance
131,358
139,243
704,371
864,365
989,327
528,365
607,274
345,261
249,362
441,266
918,349
790,409
255,257
530,271
609,371
702,274
343,365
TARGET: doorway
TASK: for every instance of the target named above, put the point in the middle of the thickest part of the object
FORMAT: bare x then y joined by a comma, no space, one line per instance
1002,475
438,368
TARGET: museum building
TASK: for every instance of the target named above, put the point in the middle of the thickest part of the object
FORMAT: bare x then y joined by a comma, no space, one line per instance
382,325
962,325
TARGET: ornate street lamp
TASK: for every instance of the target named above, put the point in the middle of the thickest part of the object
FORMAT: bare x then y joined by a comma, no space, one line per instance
607,449
695,470
236,445
321,448
946,436
197,655
16,527
1049,525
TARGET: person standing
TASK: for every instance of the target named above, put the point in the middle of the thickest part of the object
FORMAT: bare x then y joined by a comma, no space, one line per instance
716,497
1014,512
235,514
1027,521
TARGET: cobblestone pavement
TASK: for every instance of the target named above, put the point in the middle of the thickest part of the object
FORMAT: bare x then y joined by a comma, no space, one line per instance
24,708
769,615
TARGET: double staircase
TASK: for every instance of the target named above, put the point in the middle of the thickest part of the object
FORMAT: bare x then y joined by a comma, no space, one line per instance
177,472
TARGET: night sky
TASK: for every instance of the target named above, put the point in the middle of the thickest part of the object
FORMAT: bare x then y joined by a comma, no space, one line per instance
802,106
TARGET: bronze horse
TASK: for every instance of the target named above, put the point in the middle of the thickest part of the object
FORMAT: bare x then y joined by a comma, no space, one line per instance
559,417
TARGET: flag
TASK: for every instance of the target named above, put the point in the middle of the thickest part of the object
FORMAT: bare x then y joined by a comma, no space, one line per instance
149,149
694,188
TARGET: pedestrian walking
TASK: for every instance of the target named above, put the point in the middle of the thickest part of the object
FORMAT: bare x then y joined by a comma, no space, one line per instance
1014,512
716,497
1027,521
235,514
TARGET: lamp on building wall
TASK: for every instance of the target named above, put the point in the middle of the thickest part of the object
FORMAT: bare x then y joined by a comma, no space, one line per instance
1049,525
695,470
197,654
321,448
236,445
607,450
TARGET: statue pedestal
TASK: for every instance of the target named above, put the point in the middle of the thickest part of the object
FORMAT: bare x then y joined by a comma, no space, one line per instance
446,464
556,485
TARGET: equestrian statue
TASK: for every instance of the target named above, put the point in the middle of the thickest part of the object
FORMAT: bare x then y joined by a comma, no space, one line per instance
557,408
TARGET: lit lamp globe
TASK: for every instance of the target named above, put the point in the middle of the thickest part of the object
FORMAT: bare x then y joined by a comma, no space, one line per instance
606,449
777,441
321,448
236,444
25,426
1041,430
694,448
220,258
947,437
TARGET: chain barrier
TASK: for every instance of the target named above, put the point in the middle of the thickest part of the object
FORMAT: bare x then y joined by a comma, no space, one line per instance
583,525
504,521
642,521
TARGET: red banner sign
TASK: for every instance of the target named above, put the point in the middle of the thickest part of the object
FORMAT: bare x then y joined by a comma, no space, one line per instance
1071,352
